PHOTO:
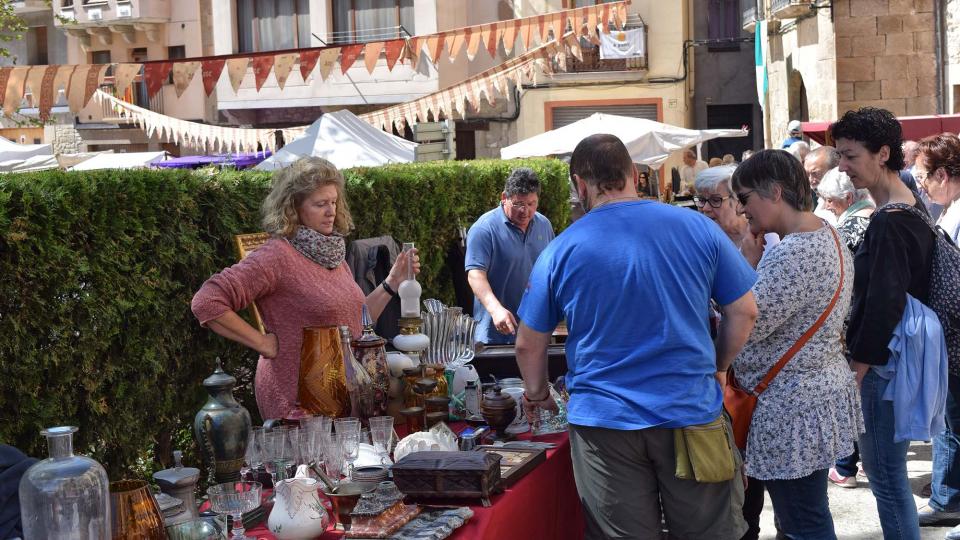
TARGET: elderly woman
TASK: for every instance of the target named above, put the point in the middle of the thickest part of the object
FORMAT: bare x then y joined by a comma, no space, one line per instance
853,207
894,260
715,200
298,278
810,414
937,169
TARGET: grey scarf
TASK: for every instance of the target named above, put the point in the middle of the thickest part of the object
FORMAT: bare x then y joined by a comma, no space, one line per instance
327,251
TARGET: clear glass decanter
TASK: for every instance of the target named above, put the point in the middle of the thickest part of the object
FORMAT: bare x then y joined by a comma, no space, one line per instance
65,497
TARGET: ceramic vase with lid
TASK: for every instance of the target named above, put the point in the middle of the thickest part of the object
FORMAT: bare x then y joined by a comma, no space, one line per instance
370,351
297,513
222,428
180,482
64,496
498,409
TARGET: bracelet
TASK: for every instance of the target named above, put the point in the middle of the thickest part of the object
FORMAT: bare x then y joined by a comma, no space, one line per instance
388,288
527,398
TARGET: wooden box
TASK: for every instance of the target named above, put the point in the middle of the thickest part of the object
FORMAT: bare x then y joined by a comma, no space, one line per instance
515,462
428,475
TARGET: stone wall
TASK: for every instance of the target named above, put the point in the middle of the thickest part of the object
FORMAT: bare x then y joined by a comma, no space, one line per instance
885,55
953,55
65,139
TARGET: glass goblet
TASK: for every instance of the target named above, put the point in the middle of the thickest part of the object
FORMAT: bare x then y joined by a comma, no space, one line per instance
332,459
235,498
349,443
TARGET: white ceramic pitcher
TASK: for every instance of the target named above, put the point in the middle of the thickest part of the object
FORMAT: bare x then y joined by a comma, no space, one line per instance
297,513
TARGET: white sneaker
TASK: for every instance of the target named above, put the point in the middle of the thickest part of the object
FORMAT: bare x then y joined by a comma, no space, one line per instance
848,482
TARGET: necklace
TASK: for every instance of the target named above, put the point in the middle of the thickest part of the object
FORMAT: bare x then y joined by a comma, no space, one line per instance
617,199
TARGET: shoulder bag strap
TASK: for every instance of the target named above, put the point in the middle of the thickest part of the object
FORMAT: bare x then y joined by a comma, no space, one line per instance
810,331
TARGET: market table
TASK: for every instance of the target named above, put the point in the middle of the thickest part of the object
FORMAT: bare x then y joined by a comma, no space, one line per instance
542,504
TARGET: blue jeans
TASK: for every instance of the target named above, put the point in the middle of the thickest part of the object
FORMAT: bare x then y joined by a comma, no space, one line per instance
847,466
945,484
802,507
886,463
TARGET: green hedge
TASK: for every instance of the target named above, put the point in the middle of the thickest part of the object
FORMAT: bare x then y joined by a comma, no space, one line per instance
97,270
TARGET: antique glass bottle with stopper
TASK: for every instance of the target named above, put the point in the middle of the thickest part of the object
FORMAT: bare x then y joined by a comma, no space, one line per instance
410,339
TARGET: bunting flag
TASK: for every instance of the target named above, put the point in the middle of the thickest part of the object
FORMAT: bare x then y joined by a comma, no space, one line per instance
394,49
154,74
414,48
327,59
236,70
434,46
183,73
4,78
371,54
510,30
473,44
282,65
33,83
349,55
308,60
456,97
47,91
123,75
261,69
94,79
455,42
488,35
210,71
14,90
62,80
75,93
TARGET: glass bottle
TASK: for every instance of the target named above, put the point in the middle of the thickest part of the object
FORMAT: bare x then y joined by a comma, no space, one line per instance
370,351
357,379
65,496
410,289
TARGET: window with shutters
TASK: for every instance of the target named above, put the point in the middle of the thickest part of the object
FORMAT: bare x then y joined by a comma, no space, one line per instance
272,25
723,18
567,114
357,21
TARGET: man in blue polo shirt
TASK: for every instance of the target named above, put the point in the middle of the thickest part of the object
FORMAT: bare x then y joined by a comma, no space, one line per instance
502,246
640,358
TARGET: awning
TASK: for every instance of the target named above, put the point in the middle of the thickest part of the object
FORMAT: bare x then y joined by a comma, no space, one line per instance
121,160
240,161
914,127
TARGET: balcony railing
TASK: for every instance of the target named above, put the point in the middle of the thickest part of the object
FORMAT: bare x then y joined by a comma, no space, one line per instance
750,18
789,9
592,63
135,94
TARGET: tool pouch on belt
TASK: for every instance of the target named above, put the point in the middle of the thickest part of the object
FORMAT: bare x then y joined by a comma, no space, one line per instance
704,452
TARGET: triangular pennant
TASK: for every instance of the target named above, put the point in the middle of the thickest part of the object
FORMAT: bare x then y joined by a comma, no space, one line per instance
349,55
183,73
510,35
526,31
123,75
282,65
558,23
75,93
622,14
454,43
371,54
435,45
592,26
542,29
261,69
573,42
155,74
210,71
579,22
393,49
47,91
473,43
413,49
605,19
327,58
4,78
308,60
488,34
94,79
62,80
236,70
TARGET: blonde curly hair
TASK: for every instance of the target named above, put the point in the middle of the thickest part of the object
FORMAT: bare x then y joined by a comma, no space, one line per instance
293,184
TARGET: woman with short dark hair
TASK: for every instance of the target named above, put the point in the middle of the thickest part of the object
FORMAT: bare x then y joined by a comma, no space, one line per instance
893,261
809,415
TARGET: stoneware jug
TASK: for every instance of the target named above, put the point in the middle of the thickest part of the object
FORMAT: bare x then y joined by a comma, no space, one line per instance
297,513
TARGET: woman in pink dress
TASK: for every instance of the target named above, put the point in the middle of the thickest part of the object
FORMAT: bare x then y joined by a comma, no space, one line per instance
298,278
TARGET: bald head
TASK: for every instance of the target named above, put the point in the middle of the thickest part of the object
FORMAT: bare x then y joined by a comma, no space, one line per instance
818,162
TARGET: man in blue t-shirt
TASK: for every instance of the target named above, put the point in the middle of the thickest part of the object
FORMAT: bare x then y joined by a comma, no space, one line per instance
502,246
633,279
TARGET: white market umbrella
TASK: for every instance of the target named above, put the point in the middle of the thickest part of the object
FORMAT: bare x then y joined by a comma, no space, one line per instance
649,143
344,140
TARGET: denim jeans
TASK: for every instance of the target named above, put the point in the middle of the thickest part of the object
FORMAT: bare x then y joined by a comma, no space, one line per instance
847,466
945,483
886,463
802,507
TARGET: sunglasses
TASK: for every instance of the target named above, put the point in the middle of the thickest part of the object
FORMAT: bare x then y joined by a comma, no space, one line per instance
744,198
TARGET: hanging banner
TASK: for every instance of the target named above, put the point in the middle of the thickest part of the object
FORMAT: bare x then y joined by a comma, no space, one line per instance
349,55
62,80
393,50
33,83
308,60
210,71
236,70
47,91
622,44
261,69
14,90
371,54
326,60
94,79
183,73
282,65
123,76
77,81
155,74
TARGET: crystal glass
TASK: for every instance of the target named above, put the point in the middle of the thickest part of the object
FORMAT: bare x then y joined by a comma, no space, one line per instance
349,442
341,425
252,459
235,498
332,459
271,444
381,431
64,496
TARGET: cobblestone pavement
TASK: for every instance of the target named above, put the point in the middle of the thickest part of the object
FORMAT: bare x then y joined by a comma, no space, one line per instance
855,511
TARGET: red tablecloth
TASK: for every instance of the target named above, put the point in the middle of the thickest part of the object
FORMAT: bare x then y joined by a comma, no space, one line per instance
542,504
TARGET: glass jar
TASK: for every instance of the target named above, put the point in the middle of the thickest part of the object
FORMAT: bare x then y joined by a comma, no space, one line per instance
65,497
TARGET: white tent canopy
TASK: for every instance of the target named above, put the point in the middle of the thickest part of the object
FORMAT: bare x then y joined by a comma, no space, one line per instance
122,160
344,140
33,163
648,142
10,150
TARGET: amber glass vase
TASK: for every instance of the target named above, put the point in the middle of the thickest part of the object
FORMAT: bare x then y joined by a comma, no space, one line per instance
135,513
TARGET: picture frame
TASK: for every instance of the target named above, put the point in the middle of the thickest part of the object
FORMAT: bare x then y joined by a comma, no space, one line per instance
515,463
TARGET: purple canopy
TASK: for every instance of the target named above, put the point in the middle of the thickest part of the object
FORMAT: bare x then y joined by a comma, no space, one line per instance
240,161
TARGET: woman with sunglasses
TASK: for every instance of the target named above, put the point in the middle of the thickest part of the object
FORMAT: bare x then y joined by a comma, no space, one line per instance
893,260
809,414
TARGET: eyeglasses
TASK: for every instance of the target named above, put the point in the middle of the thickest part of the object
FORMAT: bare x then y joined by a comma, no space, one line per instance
715,201
744,197
520,205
